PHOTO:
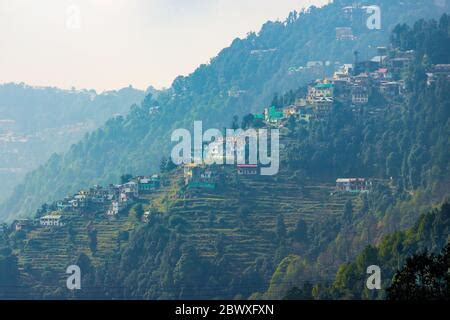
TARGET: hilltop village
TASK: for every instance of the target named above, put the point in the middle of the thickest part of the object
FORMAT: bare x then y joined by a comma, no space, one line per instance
352,85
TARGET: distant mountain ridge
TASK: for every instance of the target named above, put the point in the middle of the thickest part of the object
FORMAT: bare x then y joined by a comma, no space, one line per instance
38,121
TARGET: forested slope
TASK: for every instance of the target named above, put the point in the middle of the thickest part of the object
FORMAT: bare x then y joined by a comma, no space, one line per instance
242,78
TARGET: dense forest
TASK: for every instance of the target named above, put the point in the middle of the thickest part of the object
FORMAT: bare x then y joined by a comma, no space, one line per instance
240,79
400,255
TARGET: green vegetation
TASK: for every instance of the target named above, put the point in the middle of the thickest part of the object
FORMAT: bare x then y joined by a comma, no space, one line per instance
254,236
256,67
423,277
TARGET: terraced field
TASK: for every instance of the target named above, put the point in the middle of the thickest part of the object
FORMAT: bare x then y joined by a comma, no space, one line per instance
243,213
265,198
56,249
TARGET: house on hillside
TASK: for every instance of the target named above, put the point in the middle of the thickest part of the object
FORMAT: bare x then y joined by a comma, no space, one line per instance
341,75
438,71
22,224
51,220
322,107
381,74
360,95
146,217
291,110
379,61
441,69
356,185
391,89
130,189
272,115
345,33
342,90
367,66
79,200
259,116
148,184
200,176
97,195
65,204
397,65
115,208
247,169
320,90
321,98
347,69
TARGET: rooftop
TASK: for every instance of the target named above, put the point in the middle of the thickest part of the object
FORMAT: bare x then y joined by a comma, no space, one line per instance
50,216
324,85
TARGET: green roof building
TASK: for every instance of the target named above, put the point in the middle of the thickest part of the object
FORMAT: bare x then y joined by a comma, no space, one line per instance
273,115
323,86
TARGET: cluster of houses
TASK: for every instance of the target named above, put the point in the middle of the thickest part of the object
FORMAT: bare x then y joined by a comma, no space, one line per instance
200,174
114,198
110,200
203,176
353,85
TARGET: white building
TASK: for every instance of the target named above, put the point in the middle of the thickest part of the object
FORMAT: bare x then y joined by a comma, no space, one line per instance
360,95
51,221
353,185
130,189
116,207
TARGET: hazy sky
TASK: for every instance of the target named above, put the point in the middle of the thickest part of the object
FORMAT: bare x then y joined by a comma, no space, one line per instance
108,44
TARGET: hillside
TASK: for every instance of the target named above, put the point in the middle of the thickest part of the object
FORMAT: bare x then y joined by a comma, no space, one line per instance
241,79
257,236
429,234
359,166
37,122
245,223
